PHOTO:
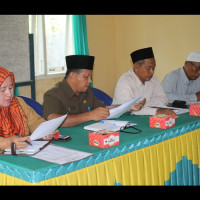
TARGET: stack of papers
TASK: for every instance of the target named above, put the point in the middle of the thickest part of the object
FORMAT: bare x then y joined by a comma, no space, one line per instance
60,155
176,110
109,125
192,102
30,150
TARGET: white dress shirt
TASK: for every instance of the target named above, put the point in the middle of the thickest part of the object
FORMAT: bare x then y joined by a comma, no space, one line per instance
178,87
129,86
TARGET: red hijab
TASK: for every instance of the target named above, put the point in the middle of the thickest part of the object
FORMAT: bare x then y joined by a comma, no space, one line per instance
11,119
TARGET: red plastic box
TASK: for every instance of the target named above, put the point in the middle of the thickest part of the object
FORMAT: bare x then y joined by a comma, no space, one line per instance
195,109
103,139
162,121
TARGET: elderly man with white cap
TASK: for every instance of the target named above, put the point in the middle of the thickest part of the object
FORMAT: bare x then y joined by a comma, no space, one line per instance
184,83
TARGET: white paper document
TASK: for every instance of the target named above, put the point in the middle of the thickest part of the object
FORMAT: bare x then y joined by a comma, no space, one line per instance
47,128
192,102
178,111
30,150
109,125
120,110
60,155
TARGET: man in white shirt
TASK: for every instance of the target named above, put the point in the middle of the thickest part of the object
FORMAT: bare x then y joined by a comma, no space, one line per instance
141,81
184,83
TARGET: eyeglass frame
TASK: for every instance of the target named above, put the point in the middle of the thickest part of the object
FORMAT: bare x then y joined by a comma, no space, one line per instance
197,68
130,126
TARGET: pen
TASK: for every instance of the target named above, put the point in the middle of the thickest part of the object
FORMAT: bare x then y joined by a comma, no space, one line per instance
89,108
46,144
25,140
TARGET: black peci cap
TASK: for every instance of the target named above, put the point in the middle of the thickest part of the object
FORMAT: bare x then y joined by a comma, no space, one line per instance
142,54
79,62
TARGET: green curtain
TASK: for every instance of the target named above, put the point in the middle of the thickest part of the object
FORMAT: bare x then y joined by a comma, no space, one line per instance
80,35
16,91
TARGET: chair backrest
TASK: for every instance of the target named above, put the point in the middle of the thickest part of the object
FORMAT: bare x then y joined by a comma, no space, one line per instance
33,104
102,96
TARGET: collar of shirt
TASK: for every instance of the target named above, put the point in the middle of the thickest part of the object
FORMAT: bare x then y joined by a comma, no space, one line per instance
69,92
137,81
67,89
185,78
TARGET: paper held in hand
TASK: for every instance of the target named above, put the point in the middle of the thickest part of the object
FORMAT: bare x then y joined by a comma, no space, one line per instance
120,110
109,125
47,127
41,131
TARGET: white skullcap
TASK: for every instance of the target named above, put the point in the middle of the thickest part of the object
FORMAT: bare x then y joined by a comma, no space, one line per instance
194,57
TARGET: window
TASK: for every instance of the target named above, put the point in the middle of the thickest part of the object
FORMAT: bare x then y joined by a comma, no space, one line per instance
53,40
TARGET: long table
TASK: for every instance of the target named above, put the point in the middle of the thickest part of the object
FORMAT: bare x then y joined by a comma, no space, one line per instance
152,157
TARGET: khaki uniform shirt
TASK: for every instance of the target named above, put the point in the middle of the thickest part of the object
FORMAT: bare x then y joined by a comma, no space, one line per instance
34,120
61,99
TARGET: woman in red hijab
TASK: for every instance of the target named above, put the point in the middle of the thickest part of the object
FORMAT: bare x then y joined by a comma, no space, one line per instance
16,117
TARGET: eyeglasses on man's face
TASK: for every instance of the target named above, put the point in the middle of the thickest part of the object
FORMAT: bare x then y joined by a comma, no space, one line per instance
196,68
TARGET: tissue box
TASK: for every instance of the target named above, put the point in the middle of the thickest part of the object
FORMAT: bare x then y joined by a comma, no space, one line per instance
103,139
162,121
195,109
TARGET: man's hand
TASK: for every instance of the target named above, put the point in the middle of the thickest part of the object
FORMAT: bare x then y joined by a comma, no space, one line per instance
138,106
100,113
198,96
166,111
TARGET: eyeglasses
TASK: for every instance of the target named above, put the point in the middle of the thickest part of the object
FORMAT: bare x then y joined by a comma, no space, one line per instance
128,126
196,68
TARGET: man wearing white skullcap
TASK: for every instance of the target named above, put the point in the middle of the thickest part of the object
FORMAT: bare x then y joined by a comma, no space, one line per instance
184,83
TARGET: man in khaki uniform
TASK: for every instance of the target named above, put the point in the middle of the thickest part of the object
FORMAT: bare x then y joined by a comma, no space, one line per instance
74,96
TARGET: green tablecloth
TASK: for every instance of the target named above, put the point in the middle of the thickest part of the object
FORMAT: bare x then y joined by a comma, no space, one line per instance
35,170
80,136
